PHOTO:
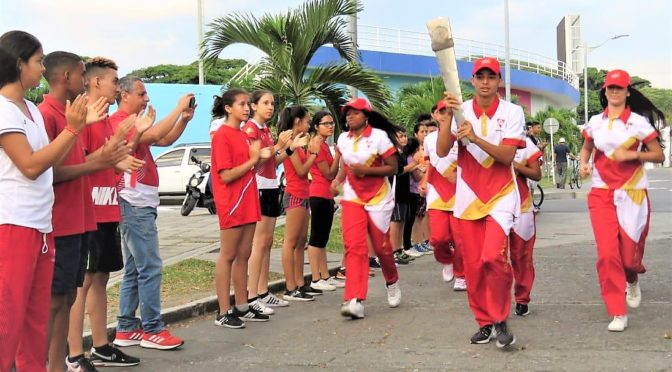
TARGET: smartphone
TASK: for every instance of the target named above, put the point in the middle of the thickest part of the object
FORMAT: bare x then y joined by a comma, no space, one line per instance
192,102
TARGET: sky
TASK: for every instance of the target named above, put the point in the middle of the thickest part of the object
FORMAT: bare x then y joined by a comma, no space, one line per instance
140,33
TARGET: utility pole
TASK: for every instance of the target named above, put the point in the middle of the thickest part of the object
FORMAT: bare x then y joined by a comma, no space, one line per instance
201,72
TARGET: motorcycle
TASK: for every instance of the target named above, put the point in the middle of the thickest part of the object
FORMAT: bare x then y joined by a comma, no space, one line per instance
199,190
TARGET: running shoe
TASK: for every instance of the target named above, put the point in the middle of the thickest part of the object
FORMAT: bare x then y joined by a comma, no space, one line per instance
161,340
259,307
374,264
112,357
297,295
251,315
79,364
271,300
393,295
352,309
504,336
229,320
483,336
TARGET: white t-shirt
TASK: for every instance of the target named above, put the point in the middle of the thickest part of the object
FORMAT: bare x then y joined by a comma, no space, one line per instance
215,124
24,202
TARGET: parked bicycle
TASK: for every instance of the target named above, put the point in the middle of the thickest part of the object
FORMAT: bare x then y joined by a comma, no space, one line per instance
574,177
537,197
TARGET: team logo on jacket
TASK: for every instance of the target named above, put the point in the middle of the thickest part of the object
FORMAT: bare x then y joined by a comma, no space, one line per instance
500,123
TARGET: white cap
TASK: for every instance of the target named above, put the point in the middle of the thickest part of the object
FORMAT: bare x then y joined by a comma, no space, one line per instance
562,140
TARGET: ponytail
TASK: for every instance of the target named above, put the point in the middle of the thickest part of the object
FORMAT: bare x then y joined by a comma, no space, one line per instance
288,115
218,107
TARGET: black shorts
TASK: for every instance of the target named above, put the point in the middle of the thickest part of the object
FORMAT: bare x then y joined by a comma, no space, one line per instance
105,254
269,200
321,219
69,264
399,212
422,206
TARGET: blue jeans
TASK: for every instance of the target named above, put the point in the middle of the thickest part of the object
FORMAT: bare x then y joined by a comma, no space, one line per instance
142,270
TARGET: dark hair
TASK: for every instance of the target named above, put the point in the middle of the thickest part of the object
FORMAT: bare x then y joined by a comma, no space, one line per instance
432,123
256,95
317,119
412,146
425,117
287,116
416,127
376,120
641,105
227,99
57,62
97,66
531,124
217,107
16,47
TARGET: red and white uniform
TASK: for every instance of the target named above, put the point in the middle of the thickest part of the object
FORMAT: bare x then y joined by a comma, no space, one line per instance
440,202
266,177
618,203
320,186
73,211
103,183
26,247
139,188
369,202
524,230
487,204
237,202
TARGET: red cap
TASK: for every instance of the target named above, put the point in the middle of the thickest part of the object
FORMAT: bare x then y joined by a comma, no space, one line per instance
440,105
491,64
358,104
619,78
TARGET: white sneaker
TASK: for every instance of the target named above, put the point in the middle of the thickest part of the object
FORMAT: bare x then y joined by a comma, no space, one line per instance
352,309
447,273
393,295
633,294
619,323
460,285
335,282
261,308
272,300
322,285
413,252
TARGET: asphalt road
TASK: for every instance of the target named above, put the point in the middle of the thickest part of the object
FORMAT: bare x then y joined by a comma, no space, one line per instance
431,329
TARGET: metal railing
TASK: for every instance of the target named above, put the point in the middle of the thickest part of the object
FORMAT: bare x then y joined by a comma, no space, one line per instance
409,42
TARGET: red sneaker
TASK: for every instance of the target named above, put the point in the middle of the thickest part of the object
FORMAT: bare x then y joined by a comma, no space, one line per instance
130,338
162,341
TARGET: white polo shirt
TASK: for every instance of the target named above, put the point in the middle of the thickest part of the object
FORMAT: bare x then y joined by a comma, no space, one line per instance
370,148
440,191
629,131
486,187
24,202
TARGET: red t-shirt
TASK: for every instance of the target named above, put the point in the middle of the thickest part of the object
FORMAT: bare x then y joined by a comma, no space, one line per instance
237,202
252,130
296,186
73,208
103,183
320,185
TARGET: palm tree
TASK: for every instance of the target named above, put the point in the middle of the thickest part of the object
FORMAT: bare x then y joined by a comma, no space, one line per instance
289,42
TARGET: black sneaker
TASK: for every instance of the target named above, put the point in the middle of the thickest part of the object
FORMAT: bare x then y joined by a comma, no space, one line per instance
504,336
310,290
374,264
79,363
229,320
522,310
112,357
251,315
297,295
483,336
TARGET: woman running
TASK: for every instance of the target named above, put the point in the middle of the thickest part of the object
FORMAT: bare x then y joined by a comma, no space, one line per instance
237,202
623,138
367,147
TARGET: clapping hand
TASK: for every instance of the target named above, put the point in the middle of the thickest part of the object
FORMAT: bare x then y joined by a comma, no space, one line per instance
76,113
145,120
97,111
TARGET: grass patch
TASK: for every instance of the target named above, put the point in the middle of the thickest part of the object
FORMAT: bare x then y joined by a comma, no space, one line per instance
335,244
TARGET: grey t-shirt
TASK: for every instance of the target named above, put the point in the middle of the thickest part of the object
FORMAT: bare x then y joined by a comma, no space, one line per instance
561,151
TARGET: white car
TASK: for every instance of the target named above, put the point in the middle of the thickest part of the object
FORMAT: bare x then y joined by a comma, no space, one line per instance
176,167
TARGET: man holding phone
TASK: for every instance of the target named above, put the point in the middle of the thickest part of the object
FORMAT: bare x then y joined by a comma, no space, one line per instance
139,198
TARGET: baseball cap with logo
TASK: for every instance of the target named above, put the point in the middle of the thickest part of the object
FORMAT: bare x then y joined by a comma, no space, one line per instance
618,78
358,104
490,63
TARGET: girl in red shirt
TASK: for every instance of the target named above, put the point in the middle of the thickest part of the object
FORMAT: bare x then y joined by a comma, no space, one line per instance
323,171
237,202
295,201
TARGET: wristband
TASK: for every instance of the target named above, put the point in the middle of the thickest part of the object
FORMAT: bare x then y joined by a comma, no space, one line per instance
71,130
288,152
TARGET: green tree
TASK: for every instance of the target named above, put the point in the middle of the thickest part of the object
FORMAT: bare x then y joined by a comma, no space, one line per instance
289,41
568,128
188,74
35,94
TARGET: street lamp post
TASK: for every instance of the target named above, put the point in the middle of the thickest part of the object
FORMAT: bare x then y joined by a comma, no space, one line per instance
201,72
586,50
507,51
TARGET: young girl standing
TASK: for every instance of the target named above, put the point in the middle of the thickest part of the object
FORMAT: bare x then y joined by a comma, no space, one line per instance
321,201
237,202
367,147
26,241
623,138
295,201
